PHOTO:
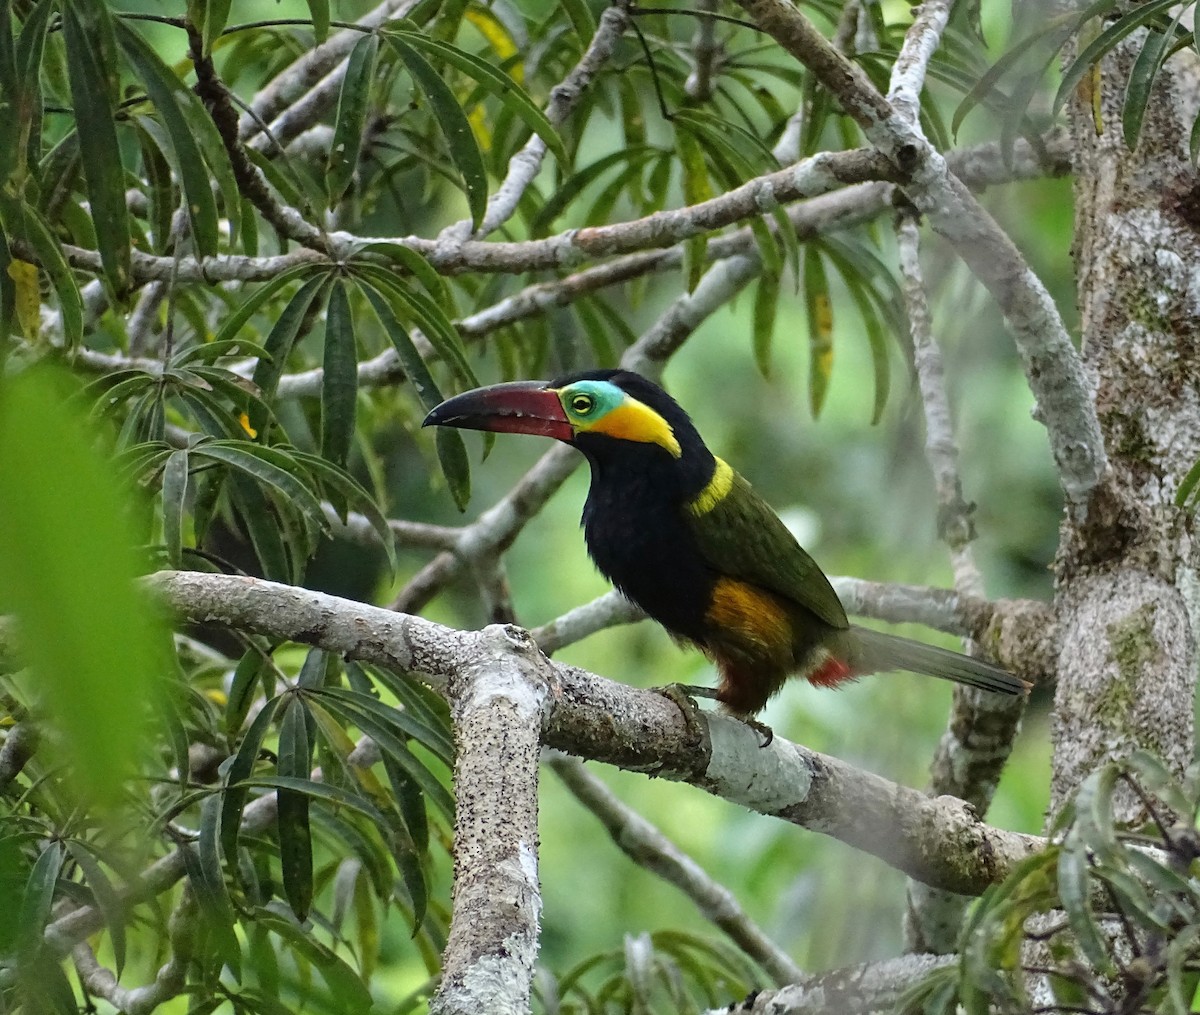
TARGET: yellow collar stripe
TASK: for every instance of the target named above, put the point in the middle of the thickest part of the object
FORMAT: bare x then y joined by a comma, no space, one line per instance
634,421
716,491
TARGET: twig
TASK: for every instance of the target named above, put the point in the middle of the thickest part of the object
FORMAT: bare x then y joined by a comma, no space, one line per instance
20,744
647,847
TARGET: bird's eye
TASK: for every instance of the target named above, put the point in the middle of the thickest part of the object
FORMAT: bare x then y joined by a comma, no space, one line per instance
581,405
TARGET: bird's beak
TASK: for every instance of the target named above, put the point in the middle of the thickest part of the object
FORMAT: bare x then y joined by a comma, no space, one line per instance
517,407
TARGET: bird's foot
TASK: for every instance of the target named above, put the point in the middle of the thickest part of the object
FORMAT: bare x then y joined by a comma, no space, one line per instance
684,695
761,728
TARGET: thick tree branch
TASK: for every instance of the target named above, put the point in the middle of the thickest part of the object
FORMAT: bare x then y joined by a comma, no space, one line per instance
940,841
860,990
498,701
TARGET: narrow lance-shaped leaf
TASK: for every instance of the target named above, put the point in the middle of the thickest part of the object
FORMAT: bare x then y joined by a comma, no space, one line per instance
464,151
279,344
295,833
339,389
37,900
21,221
452,452
497,83
107,900
84,24
208,882
351,116
766,302
819,309
174,490
169,95
1141,81
1105,41
233,800
216,14
319,11
697,187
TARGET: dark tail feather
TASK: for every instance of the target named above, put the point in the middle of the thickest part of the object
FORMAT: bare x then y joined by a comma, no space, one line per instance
875,652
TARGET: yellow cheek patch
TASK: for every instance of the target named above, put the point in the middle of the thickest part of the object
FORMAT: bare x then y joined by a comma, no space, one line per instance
716,491
751,616
633,421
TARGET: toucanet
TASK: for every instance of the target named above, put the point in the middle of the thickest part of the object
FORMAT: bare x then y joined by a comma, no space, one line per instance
690,542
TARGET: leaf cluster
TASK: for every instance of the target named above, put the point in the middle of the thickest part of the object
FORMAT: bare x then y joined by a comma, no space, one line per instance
1105,920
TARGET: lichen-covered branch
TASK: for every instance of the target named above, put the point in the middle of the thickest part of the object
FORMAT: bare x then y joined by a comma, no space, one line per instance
940,841
498,699
868,989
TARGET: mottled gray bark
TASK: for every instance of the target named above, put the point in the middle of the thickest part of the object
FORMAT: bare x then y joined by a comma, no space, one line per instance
1127,578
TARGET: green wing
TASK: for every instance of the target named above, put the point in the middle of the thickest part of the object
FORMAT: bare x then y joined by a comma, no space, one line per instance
740,536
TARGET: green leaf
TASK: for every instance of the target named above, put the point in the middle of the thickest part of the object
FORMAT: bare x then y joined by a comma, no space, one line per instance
351,117
497,83
1073,886
766,302
216,15
109,654
347,487
319,10
262,526
1105,41
464,150
819,308
22,221
347,990
452,452
233,799
633,159
38,899
295,834
1141,81
174,490
208,882
438,328
107,900
267,466
279,342
170,96
399,720
339,390
580,16
233,323
242,687
420,268
84,25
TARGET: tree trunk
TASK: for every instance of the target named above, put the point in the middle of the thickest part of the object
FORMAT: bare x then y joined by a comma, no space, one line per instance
1128,593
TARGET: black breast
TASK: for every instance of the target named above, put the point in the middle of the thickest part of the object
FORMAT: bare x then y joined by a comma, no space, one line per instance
634,526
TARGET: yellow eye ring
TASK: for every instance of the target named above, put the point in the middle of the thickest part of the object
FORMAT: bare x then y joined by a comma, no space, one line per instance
582,404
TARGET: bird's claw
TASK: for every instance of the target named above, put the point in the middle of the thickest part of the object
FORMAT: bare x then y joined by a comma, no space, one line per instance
684,695
762,729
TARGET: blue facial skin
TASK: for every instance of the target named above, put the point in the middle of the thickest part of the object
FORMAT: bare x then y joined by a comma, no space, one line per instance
584,402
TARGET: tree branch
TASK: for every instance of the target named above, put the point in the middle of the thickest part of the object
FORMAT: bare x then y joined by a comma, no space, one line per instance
498,700
1052,367
940,841
861,990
